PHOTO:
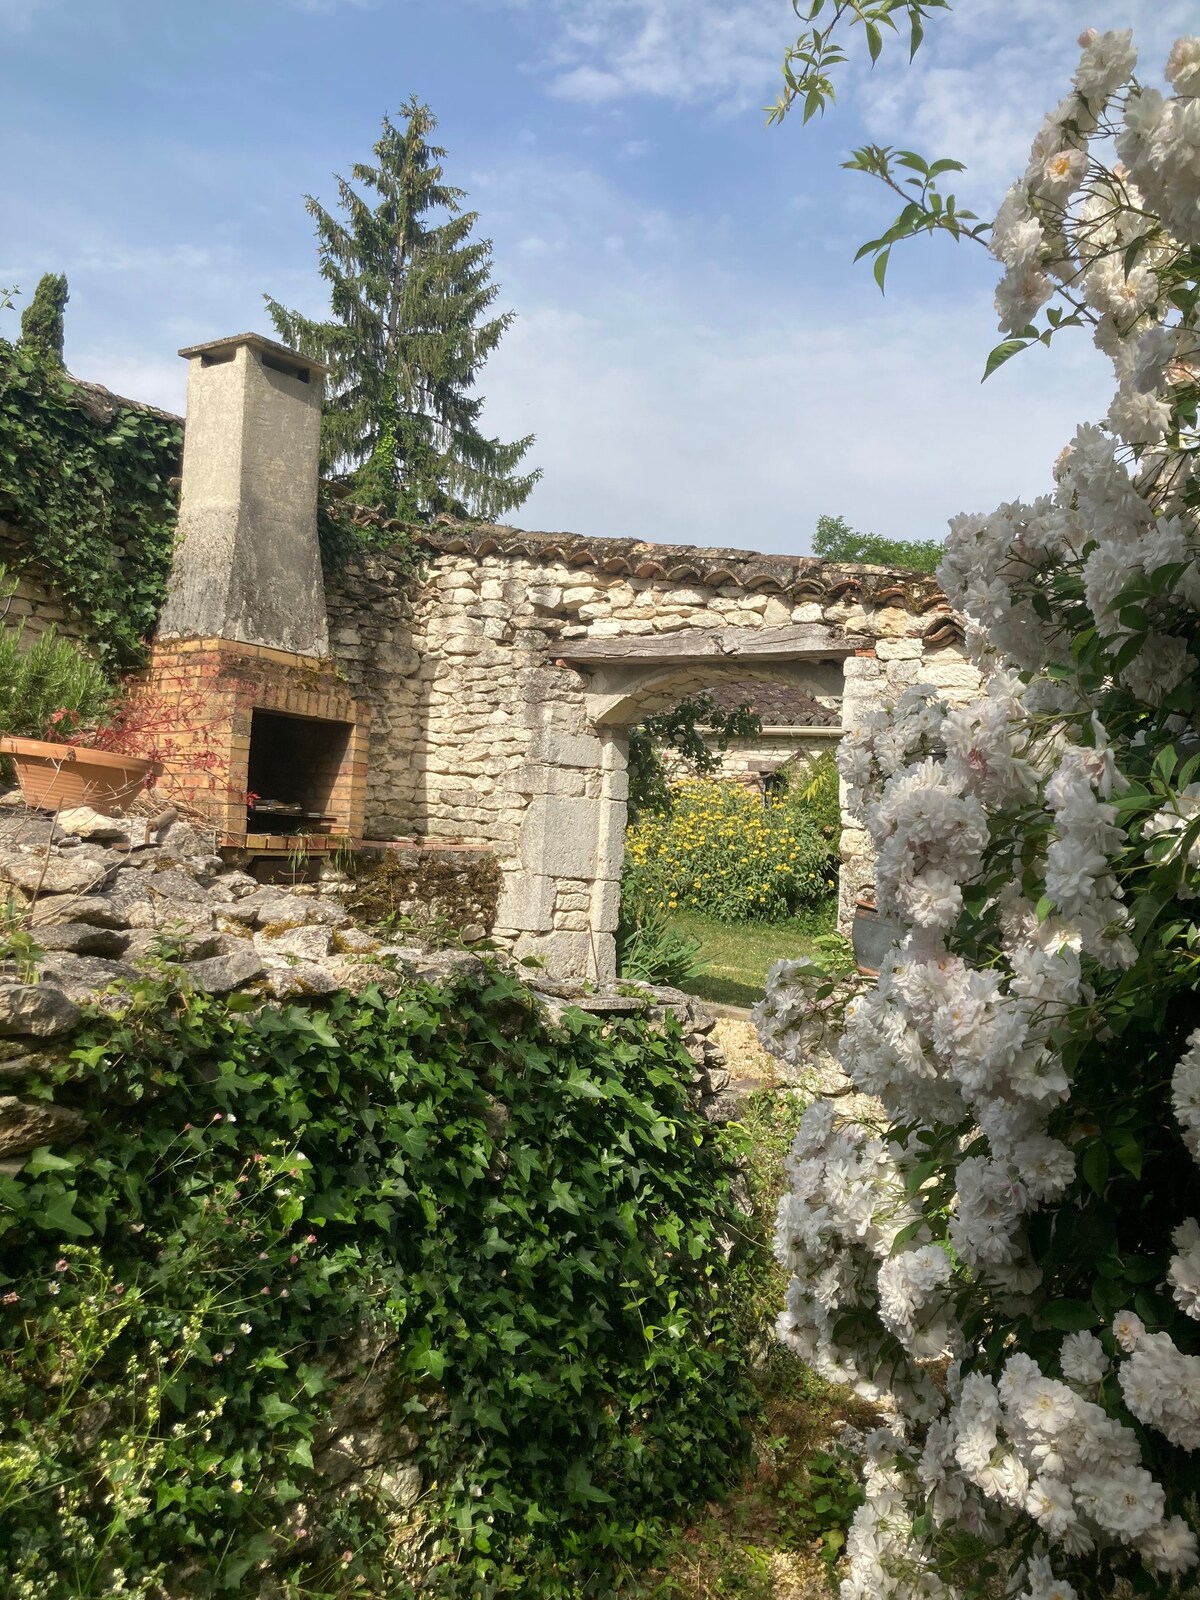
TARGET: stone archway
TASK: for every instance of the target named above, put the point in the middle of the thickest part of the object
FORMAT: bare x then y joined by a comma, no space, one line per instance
625,680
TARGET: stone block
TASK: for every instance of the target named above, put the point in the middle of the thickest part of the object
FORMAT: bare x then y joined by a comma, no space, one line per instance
559,836
606,905
857,668
27,1124
526,903
566,954
565,749
949,672
899,649
35,1010
222,974
891,622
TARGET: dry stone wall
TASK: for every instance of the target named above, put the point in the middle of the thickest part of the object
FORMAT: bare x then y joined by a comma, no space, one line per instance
483,734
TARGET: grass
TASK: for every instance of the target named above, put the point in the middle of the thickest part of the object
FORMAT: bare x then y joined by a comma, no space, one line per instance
779,1534
736,956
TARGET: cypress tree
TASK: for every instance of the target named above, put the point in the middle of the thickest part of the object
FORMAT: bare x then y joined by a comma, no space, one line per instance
43,318
408,333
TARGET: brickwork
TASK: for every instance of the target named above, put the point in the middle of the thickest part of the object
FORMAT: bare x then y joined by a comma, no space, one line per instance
198,698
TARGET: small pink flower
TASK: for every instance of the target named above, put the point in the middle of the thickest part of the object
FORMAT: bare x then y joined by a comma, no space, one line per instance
187,1127
216,1116
310,1238
61,1264
293,1260
262,1255
264,1290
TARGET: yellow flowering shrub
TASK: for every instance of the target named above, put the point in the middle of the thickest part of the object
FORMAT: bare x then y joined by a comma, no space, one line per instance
723,851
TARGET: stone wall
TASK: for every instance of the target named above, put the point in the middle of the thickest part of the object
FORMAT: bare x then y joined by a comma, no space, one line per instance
484,734
751,760
33,606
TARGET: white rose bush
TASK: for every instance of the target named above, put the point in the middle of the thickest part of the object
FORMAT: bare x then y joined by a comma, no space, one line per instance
1009,1259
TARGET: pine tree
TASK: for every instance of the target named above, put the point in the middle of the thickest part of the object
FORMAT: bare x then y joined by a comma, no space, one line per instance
407,337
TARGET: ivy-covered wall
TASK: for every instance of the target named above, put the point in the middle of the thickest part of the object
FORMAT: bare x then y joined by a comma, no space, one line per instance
87,491
336,1299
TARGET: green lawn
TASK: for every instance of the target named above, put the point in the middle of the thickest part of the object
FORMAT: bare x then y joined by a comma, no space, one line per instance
736,958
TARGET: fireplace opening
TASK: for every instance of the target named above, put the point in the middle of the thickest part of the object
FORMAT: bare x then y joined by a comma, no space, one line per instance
296,774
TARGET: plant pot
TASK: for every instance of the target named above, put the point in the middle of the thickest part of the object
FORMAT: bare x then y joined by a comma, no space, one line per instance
873,936
54,777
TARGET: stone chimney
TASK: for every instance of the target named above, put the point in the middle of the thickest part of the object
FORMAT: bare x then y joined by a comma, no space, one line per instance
247,563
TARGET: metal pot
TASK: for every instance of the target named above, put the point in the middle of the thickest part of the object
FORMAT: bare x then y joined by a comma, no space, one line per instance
873,936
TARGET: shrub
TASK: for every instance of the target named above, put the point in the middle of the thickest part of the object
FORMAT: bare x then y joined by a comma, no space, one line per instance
648,947
815,792
51,689
1012,1251
722,851
513,1228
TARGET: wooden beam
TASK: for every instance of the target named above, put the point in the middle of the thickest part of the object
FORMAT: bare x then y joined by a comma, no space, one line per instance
804,641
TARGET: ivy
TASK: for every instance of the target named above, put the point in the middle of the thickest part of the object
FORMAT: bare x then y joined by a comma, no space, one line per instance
88,491
89,488
514,1227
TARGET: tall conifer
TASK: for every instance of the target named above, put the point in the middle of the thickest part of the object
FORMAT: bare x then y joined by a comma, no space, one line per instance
409,290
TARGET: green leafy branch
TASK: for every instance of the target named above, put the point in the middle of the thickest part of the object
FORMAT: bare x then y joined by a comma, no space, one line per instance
809,63
926,211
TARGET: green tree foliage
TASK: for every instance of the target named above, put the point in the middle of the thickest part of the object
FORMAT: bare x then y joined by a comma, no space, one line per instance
696,732
408,334
43,319
836,540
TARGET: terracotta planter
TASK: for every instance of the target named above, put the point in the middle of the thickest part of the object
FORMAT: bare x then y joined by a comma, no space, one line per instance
873,936
56,776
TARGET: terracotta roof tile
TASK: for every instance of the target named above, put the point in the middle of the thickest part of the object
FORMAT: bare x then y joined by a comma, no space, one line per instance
798,578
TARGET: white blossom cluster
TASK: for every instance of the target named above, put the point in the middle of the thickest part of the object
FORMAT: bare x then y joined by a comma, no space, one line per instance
835,1230
1015,808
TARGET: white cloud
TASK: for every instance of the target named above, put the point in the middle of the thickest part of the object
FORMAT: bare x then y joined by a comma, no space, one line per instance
990,70
680,50
681,394
678,430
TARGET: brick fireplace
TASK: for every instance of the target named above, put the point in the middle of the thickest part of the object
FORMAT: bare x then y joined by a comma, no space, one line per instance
255,727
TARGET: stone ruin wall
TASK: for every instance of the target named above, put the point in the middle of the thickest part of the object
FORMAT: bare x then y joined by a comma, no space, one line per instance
479,738
33,606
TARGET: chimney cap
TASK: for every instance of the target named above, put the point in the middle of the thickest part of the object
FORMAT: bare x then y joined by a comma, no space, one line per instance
255,341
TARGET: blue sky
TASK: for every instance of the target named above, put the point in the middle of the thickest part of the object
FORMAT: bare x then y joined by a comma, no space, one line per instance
696,353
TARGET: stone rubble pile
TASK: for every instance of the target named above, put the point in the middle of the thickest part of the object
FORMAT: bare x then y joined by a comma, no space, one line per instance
91,903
